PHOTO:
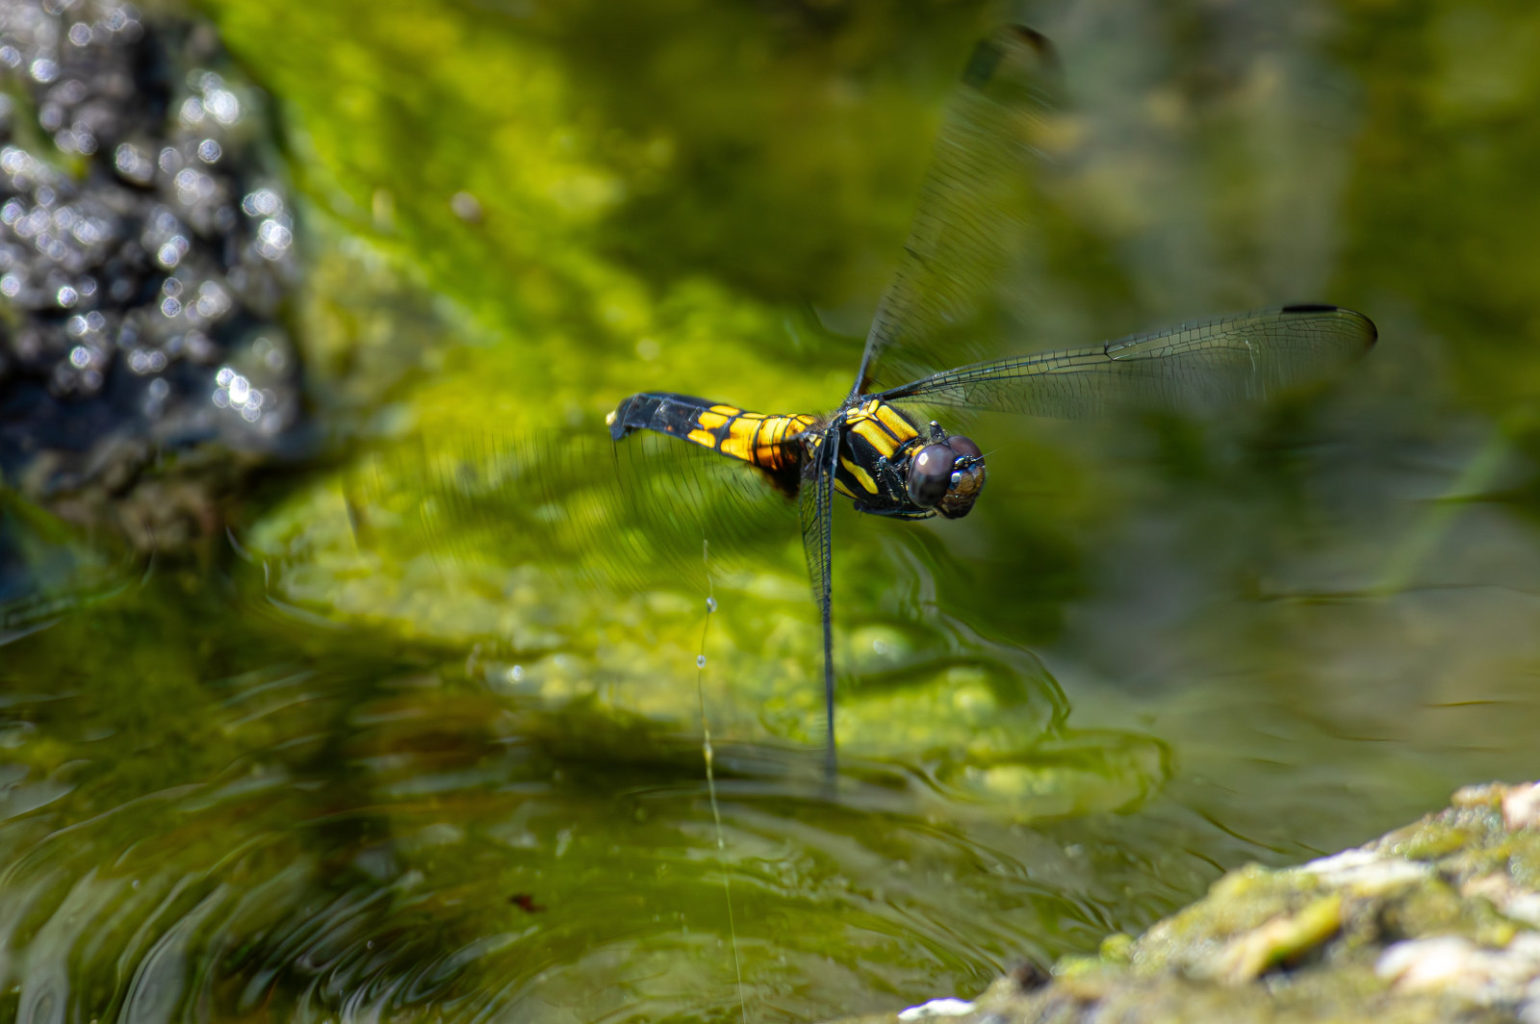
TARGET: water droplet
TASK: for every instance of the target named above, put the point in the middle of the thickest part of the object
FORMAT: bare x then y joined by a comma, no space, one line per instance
700,661
240,390
191,112
274,234
170,254
223,105
264,202
711,605
133,163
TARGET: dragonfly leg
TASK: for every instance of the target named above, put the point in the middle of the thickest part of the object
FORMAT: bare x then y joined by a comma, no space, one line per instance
892,480
815,497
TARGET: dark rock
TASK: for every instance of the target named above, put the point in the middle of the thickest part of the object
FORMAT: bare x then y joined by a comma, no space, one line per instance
147,249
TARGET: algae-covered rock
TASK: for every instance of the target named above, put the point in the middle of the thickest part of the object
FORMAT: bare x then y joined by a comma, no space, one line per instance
1436,921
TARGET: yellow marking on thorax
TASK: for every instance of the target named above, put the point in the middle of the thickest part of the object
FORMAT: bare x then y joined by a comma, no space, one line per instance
862,476
901,429
870,431
880,426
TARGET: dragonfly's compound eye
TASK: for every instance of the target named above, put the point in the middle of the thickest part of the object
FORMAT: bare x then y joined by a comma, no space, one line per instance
966,479
964,446
930,473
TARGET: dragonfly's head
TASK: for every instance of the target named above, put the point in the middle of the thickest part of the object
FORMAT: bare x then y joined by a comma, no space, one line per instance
946,474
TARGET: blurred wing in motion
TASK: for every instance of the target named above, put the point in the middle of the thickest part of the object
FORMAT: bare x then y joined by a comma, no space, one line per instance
629,515
971,222
1196,366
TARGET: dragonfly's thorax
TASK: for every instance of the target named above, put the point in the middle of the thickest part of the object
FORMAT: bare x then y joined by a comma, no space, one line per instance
890,468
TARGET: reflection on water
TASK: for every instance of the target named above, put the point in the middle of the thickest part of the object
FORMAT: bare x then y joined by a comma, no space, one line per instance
430,744
353,832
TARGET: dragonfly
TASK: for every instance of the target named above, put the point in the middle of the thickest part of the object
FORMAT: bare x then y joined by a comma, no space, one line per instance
877,448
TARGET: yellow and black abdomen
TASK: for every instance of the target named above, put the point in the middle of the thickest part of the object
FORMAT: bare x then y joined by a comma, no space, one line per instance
770,442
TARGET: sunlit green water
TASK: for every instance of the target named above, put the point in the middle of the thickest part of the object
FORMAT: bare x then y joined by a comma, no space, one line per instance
427,746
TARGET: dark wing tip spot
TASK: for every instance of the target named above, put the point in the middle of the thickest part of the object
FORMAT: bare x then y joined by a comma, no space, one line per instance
1003,45
1371,332
1040,43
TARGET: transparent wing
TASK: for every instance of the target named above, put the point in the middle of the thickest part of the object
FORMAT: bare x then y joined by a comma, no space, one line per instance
815,504
1196,366
974,208
630,514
